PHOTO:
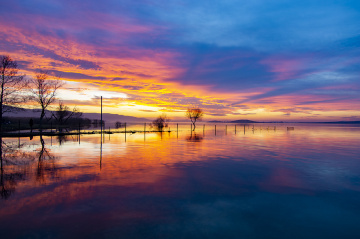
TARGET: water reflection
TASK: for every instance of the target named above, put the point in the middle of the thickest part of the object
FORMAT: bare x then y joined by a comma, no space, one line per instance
194,137
264,184
17,161
62,139
14,164
46,163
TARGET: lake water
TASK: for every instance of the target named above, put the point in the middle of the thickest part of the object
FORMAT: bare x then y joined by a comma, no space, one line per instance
261,183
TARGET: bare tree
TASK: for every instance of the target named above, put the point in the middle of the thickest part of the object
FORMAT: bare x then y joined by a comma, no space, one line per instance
118,124
63,113
194,114
160,122
44,91
11,85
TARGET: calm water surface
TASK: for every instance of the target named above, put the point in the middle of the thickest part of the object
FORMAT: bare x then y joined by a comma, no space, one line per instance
258,184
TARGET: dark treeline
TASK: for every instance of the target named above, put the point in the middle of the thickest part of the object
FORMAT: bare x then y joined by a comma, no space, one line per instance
23,123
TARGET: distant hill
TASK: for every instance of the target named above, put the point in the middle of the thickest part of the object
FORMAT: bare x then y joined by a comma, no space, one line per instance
340,122
107,117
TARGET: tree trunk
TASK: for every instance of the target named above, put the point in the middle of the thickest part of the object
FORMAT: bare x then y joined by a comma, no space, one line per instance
41,119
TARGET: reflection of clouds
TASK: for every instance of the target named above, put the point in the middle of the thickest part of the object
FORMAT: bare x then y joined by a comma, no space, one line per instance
207,219
247,216
226,186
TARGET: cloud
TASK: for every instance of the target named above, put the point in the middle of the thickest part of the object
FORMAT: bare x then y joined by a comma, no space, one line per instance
224,56
353,117
73,75
323,101
83,64
148,110
228,69
243,113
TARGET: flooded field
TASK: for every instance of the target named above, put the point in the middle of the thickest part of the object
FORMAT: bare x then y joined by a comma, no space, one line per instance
264,182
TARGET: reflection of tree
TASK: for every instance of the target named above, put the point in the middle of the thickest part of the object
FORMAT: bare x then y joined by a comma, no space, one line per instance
13,167
15,162
46,163
62,138
194,137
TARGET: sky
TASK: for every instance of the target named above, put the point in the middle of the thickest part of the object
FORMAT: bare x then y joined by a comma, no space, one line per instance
276,60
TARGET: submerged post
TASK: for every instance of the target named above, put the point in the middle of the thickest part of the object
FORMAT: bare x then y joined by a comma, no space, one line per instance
100,151
101,119
19,135
235,129
215,129
125,131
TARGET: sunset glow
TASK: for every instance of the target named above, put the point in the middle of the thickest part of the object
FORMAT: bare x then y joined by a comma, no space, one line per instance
257,60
